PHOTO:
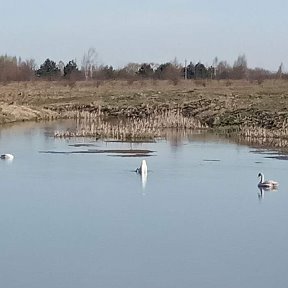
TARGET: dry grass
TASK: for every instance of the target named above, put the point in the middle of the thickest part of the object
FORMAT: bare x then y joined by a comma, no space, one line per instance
241,104
263,137
93,125
270,95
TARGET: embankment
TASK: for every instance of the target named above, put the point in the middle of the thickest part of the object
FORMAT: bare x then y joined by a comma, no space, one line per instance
234,105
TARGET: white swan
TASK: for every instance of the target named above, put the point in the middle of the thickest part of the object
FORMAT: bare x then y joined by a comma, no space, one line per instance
7,156
143,168
270,184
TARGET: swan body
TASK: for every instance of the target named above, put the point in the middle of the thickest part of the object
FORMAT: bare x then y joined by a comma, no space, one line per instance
143,168
268,184
7,156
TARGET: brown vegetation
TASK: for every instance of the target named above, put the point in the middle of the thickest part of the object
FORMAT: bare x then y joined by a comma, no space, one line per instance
240,106
149,127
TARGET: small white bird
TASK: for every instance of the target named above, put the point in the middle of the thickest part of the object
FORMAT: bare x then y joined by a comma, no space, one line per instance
270,184
7,156
143,168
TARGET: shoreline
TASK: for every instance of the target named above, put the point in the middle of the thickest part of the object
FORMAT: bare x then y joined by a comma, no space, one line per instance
250,109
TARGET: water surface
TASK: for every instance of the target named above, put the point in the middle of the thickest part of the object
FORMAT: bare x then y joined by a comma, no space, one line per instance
85,220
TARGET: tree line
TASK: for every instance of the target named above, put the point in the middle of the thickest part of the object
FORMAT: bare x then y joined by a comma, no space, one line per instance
15,69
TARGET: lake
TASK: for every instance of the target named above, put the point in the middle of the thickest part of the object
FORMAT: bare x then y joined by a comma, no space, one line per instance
88,220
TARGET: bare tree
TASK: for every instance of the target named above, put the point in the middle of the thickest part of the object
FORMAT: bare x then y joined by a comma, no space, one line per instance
89,63
27,70
214,65
223,70
132,68
240,67
61,66
280,71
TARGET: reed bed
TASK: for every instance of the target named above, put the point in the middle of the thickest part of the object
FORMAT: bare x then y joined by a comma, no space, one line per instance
150,127
265,137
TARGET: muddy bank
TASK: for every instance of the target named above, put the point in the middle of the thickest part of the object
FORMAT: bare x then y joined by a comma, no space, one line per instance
215,105
209,113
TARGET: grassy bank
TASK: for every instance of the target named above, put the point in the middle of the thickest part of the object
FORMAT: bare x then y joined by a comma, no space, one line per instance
255,110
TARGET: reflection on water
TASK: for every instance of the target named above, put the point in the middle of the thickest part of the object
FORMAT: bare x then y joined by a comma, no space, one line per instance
144,180
262,191
279,155
199,224
7,160
263,143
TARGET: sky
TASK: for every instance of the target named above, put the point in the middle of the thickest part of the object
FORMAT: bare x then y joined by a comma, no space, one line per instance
141,31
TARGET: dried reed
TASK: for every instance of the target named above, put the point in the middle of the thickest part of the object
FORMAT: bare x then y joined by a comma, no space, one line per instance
265,137
94,125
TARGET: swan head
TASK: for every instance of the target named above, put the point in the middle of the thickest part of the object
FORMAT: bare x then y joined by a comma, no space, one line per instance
260,174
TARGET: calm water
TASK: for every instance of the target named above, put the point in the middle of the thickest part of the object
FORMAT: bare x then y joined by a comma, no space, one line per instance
85,220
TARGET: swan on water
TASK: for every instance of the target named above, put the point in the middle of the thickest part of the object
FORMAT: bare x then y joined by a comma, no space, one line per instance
142,171
143,168
7,156
270,184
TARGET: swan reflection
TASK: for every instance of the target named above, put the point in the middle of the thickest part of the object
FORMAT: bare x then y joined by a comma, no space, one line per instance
263,190
143,180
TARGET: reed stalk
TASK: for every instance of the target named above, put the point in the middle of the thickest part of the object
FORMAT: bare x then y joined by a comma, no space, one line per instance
265,137
95,125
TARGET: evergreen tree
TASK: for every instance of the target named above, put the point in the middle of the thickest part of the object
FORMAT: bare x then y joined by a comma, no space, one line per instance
70,68
145,70
48,69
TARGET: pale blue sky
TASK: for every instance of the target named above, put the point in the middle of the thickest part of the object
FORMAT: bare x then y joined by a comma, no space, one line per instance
147,31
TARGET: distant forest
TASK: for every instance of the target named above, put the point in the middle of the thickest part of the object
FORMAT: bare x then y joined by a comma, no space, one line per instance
15,69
